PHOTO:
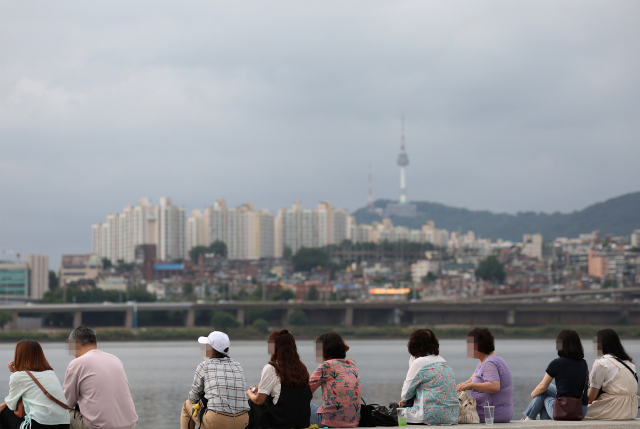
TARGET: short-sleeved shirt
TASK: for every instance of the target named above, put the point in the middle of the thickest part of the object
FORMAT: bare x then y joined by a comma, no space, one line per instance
494,368
270,383
604,371
341,391
570,376
222,381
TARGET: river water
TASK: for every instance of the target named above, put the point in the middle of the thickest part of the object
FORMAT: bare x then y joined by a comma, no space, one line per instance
160,373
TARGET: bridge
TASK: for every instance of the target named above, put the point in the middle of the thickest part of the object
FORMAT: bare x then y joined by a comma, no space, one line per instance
350,314
627,291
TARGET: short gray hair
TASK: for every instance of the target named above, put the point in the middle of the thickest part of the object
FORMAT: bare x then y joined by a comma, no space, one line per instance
84,335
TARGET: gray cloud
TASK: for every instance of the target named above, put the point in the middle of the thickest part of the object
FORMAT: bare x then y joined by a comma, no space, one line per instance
510,106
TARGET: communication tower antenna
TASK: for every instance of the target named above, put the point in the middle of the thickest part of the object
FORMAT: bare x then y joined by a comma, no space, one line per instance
403,161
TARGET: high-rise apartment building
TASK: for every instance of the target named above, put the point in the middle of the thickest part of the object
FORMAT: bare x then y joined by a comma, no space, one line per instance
340,226
265,223
215,221
171,231
197,234
117,238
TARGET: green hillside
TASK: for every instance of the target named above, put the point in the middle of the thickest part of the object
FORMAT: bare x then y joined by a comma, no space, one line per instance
618,216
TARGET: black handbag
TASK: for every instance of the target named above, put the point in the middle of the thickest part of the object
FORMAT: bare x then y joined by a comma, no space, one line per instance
367,419
386,416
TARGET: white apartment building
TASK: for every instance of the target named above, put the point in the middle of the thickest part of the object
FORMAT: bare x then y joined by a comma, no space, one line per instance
265,222
117,238
340,226
171,231
532,245
215,221
197,235
635,238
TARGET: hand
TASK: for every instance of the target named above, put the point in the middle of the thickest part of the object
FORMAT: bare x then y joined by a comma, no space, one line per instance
2,407
463,386
12,366
401,404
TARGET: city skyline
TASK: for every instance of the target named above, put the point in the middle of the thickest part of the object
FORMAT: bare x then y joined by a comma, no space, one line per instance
541,116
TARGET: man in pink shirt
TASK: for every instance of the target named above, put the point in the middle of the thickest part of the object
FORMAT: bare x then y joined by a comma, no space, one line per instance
95,381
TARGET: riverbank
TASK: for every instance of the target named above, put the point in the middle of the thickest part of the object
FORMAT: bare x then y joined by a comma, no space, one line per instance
311,332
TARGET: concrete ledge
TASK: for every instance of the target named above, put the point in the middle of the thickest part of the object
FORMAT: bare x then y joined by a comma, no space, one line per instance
551,424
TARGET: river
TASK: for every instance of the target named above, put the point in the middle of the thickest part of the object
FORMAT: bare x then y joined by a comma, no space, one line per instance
160,373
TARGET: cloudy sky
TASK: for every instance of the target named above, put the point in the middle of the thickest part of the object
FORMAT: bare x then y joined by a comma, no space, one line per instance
509,106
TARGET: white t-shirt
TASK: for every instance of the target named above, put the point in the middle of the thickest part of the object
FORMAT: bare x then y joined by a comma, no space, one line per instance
415,365
270,383
604,371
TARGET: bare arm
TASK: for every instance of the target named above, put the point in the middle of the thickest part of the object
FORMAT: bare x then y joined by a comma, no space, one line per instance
544,385
593,393
463,386
256,398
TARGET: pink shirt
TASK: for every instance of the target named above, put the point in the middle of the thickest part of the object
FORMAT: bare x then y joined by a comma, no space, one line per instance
96,381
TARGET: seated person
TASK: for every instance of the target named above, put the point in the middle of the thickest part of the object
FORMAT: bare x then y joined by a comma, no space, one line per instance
570,371
220,380
341,387
614,382
491,382
430,383
284,387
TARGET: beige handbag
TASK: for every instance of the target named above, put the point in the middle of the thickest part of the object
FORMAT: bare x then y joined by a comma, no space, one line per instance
468,411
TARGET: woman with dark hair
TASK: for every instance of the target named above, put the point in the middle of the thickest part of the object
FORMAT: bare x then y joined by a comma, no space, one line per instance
491,382
284,386
340,381
430,382
40,411
614,381
570,371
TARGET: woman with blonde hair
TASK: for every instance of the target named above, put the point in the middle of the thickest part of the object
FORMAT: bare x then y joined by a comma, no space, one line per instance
35,396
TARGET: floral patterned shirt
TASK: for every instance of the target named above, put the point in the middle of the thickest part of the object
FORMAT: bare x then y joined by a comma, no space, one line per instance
432,385
341,391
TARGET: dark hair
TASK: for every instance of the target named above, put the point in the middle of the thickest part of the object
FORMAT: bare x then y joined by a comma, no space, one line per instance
29,355
84,335
286,361
423,342
219,355
333,346
484,340
569,345
609,343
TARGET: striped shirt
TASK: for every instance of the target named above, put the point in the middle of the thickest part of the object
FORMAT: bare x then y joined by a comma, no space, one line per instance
222,381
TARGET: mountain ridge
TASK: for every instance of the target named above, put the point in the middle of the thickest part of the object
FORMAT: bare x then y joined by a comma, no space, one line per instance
619,216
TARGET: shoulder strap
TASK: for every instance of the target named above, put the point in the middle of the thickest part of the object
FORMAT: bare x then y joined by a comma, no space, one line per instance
45,391
627,366
586,377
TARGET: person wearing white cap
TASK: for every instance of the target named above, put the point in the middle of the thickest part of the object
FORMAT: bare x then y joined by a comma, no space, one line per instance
220,380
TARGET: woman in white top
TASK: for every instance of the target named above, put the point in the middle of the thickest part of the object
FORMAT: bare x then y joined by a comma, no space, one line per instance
40,411
282,398
613,380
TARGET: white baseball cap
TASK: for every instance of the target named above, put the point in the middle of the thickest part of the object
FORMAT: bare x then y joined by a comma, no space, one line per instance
218,340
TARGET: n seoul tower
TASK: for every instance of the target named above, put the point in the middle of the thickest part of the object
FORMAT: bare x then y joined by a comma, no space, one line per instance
403,161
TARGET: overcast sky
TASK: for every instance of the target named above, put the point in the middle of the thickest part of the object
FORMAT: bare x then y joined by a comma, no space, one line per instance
509,106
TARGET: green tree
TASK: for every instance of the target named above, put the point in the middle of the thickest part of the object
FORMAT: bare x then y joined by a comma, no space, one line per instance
54,282
5,317
407,276
429,277
187,291
310,257
261,325
218,248
312,295
287,253
491,269
298,318
610,283
222,321
106,263
195,252
139,294
283,295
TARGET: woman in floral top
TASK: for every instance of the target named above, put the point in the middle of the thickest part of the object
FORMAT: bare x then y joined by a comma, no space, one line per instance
340,381
430,383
